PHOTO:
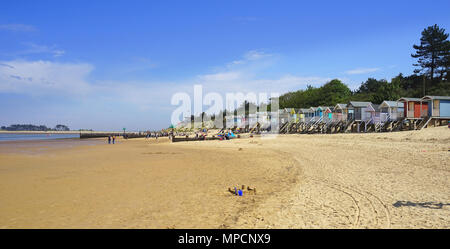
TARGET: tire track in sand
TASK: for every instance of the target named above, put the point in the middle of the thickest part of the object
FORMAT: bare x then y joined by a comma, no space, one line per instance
370,210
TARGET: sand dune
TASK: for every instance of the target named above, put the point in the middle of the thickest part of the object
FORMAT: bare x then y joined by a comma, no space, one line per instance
388,180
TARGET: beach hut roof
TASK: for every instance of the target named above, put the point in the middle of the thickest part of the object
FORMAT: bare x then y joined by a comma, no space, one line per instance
324,108
388,103
304,110
291,110
314,108
358,104
375,107
435,97
406,99
340,106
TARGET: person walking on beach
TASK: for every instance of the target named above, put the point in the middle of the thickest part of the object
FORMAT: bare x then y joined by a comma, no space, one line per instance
109,139
114,139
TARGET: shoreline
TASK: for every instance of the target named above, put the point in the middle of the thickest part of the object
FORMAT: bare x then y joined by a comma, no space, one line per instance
61,132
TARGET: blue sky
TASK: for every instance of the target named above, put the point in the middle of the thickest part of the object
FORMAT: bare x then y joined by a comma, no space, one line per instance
106,65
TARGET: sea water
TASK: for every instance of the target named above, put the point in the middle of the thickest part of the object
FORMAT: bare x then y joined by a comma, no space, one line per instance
35,136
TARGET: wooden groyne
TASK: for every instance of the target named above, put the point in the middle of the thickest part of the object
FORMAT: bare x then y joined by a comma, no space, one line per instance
100,135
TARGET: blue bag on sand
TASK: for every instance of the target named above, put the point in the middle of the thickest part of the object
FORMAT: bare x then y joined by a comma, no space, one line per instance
240,192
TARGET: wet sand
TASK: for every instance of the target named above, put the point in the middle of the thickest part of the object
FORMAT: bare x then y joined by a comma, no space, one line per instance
388,180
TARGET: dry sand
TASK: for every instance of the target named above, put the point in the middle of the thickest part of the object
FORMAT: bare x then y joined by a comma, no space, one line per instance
388,180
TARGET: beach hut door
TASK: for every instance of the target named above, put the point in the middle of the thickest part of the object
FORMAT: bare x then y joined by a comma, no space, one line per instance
411,110
435,108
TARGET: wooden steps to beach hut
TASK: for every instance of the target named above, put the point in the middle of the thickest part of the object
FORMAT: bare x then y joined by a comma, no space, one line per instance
424,123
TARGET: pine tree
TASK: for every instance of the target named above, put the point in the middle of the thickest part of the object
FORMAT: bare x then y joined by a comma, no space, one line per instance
432,51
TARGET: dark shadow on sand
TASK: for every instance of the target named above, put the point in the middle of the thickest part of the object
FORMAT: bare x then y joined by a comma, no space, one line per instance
432,205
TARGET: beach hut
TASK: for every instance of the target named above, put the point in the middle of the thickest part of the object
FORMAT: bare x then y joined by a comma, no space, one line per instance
391,111
230,121
283,115
252,119
373,114
326,113
358,111
340,112
241,121
439,106
413,108
314,113
309,114
291,114
275,117
303,112
263,119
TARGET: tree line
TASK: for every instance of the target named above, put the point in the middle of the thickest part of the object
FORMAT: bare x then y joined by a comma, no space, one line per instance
30,127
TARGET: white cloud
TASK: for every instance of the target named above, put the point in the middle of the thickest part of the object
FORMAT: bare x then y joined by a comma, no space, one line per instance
255,55
362,71
71,79
44,77
249,57
224,76
17,27
244,75
58,53
33,48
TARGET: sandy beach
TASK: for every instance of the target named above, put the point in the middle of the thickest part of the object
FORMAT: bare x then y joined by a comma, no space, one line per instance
376,180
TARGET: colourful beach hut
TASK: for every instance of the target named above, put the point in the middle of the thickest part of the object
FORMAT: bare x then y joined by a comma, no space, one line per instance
391,111
439,106
292,114
358,111
283,115
312,114
414,108
340,112
326,112
252,119
304,114
373,114
314,111
263,119
230,121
